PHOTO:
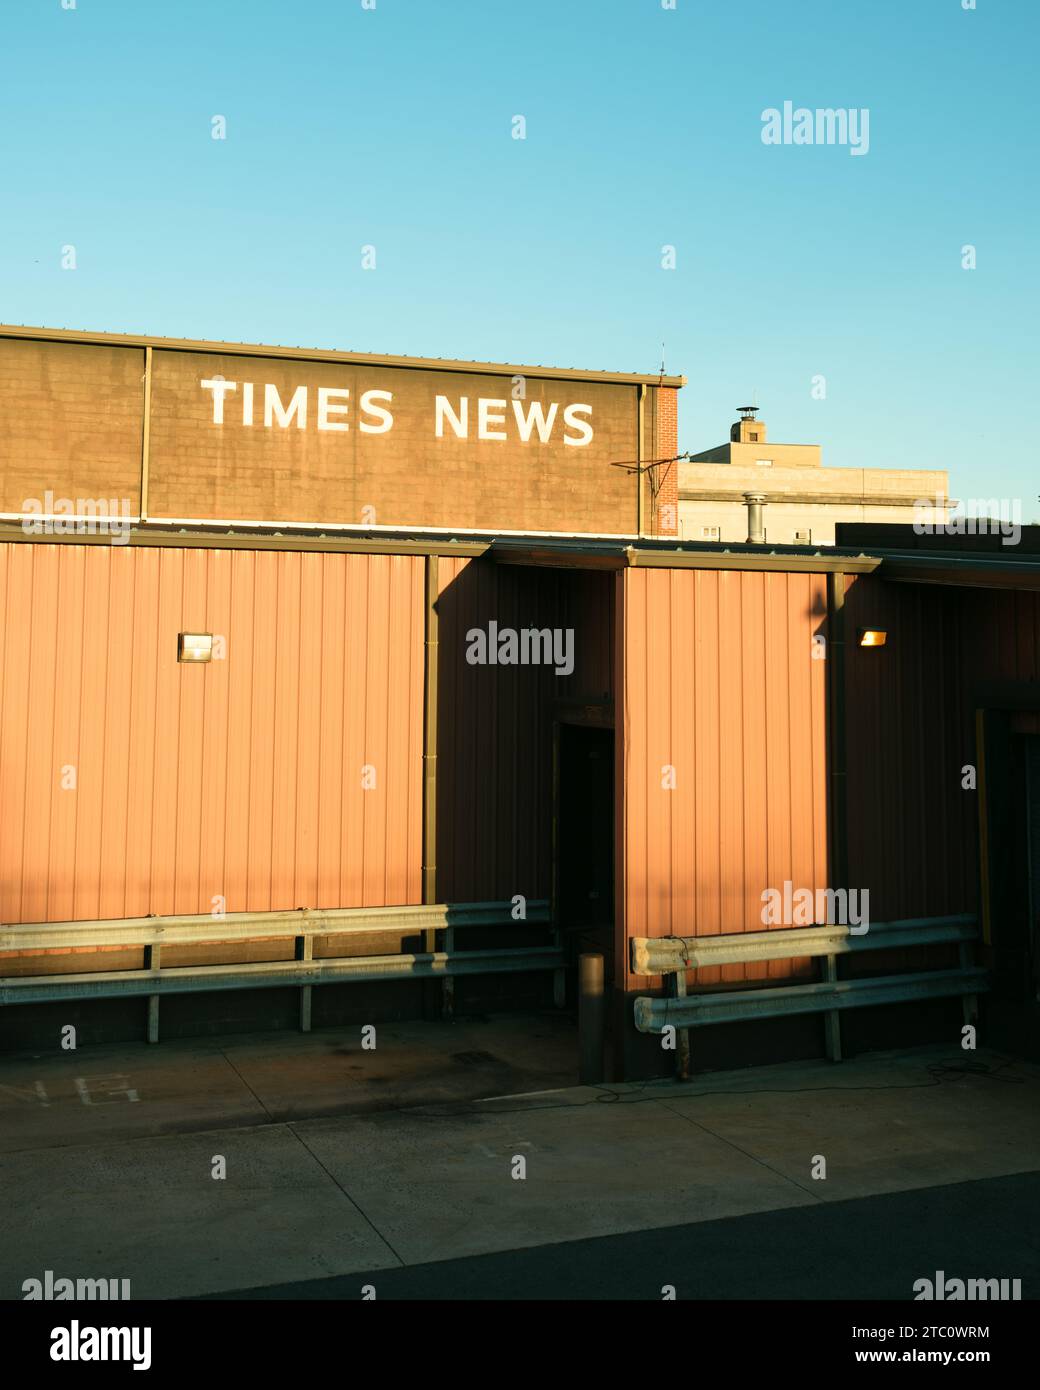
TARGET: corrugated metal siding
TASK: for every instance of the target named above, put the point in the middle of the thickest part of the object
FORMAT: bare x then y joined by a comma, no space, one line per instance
913,828
1004,629
241,778
720,684
494,755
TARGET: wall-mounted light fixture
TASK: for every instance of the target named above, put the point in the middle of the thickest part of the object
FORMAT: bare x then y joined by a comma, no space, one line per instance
872,637
194,646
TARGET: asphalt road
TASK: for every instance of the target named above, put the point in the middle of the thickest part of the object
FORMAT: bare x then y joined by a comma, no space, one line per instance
866,1248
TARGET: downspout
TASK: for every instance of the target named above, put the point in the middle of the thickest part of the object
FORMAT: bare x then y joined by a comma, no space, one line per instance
639,459
836,701
837,789
142,509
429,861
445,1006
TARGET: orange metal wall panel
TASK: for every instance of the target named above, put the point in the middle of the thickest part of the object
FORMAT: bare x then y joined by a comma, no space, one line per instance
215,733
331,722
720,685
911,840
913,827
754,782
70,638
240,779
42,662
117,703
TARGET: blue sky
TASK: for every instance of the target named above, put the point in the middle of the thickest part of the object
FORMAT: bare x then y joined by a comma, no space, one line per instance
392,127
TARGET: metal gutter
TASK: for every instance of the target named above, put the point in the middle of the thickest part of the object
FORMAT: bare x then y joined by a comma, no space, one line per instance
223,540
750,559
558,552
903,568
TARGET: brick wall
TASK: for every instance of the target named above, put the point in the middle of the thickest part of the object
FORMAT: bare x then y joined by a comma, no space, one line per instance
666,519
70,425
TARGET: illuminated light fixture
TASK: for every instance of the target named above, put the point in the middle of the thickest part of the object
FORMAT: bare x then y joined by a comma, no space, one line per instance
194,646
872,637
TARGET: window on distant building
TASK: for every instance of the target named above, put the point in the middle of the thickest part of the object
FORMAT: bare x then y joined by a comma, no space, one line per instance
710,533
764,463
753,436
803,537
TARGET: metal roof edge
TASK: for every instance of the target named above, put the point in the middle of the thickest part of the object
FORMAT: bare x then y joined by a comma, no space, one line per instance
436,364
517,547
976,570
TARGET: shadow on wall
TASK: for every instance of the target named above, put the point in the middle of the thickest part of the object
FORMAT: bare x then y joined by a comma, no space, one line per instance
495,743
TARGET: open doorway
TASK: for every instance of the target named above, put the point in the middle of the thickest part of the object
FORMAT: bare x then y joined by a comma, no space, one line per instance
584,839
1030,747
1009,810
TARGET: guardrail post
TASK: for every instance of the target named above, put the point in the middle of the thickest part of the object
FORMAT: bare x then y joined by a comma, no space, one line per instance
969,1002
677,990
591,1017
832,1019
305,951
151,962
448,983
559,976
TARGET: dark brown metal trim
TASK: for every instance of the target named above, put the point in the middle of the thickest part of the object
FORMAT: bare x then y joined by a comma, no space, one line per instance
429,364
837,782
747,560
11,531
430,683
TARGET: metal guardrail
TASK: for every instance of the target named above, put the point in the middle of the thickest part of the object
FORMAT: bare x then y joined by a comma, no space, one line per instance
206,927
152,933
660,955
672,956
695,1010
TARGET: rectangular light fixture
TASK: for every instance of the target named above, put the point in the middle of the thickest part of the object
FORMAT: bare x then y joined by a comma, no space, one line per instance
194,646
872,637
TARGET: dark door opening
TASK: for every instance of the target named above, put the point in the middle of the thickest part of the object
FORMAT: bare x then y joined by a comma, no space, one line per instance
585,831
1010,878
1031,762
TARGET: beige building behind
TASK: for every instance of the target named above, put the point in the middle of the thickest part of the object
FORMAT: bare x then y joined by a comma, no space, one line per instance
802,500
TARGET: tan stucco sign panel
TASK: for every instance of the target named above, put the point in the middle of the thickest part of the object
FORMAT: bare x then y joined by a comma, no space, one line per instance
249,437
70,423
265,439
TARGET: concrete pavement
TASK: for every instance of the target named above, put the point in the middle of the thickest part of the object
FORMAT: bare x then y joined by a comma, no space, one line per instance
111,1171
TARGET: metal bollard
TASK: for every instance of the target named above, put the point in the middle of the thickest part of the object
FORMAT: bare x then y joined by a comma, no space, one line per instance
591,1017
